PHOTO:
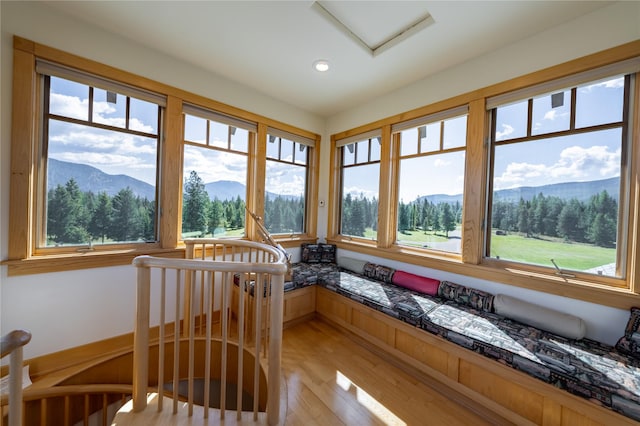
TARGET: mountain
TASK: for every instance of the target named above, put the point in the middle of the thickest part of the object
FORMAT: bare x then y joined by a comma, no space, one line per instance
230,190
582,191
226,190
94,180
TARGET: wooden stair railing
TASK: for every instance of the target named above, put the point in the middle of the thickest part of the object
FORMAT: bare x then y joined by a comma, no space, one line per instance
11,344
206,279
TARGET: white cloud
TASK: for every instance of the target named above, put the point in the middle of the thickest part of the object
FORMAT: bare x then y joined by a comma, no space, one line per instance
69,106
609,84
215,165
575,163
507,129
439,162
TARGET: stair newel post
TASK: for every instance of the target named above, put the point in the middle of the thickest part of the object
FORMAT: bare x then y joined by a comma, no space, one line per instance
141,336
275,347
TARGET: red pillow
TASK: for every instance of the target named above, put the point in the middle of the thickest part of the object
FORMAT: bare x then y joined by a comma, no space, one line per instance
416,283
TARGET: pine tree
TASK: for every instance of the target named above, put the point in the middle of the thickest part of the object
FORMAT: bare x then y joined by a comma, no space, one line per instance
447,218
101,218
216,215
195,205
124,225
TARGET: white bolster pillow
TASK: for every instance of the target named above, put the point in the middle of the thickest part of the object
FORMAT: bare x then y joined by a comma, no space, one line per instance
538,316
351,264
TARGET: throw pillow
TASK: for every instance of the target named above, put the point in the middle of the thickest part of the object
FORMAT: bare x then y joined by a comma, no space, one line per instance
630,342
416,283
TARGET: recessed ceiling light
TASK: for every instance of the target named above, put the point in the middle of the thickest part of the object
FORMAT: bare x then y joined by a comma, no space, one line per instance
321,65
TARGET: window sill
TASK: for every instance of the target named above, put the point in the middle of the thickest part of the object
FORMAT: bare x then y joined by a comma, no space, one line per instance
87,260
593,292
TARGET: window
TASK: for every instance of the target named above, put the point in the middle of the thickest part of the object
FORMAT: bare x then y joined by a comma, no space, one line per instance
559,173
360,177
431,180
215,164
99,145
286,181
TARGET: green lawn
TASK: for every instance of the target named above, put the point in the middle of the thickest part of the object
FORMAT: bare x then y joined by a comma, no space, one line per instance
573,256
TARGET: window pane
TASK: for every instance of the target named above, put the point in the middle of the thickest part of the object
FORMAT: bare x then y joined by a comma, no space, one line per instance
301,153
375,149
143,116
109,108
511,121
591,97
239,139
557,198
286,150
430,137
455,133
551,113
218,135
214,193
359,210
285,188
349,154
273,147
409,144
195,129
362,151
100,186
69,99
430,208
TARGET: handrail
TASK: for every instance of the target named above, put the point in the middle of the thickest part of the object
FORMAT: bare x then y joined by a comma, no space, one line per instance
221,263
12,344
13,340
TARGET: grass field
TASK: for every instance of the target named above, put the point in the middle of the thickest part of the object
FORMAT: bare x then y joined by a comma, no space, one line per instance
515,247
575,256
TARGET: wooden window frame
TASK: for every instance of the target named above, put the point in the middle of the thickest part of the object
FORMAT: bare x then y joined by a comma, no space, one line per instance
310,168
472,262
25,157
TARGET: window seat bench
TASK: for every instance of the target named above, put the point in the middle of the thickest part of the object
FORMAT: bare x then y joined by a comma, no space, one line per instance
525,374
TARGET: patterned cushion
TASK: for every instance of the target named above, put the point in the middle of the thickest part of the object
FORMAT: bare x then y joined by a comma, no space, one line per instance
466,296
630,342
318,253
378,272
310,253
584,367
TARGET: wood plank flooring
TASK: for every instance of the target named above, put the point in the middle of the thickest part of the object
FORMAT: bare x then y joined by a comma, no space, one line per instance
332,380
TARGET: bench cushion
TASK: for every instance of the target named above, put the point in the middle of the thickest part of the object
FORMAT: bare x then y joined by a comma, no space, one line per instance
585,368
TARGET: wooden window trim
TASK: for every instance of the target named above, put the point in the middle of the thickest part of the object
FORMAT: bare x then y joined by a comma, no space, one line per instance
22,259
621,294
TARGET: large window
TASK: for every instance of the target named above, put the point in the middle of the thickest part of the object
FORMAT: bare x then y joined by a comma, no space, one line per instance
559,176
99,145
360,179
215,164
286,180
105,165
431,180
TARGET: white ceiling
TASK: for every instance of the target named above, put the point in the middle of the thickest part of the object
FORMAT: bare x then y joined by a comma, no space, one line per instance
271,45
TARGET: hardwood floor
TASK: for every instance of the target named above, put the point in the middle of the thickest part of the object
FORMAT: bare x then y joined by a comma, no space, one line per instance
332,380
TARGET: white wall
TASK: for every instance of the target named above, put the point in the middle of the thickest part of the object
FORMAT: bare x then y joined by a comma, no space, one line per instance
65,310
68,309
